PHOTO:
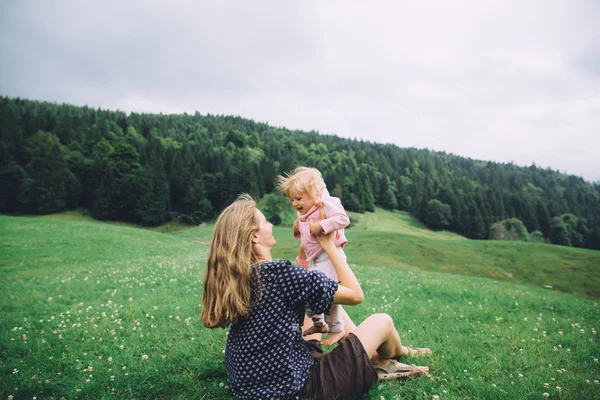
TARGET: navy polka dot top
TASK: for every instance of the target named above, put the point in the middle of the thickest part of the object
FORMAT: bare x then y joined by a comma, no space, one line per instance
265,354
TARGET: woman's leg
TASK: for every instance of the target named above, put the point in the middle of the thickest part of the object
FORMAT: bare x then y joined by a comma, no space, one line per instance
348,323
380,339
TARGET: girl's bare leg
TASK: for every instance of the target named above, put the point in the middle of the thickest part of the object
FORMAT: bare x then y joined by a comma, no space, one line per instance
348,328
308,324
314,329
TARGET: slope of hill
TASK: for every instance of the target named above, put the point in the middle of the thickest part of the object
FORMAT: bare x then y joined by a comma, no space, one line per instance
150,169
106,310
395,239
398,222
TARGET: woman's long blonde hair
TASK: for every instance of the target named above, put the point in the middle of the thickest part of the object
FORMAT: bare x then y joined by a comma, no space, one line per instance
227,286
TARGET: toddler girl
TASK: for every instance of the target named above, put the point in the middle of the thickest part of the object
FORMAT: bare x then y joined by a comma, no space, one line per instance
318,213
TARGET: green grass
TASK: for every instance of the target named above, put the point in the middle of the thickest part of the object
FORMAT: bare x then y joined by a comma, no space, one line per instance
398,222
84,301
396,239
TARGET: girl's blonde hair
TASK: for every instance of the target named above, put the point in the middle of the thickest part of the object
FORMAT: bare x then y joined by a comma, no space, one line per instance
304,180
229,276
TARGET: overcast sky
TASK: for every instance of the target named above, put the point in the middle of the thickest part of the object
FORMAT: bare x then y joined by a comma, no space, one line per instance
492,80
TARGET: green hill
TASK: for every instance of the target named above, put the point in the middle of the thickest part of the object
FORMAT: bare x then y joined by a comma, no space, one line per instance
96,310
153,168
396,239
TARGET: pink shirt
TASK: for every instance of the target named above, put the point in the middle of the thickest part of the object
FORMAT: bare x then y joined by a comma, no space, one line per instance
336,219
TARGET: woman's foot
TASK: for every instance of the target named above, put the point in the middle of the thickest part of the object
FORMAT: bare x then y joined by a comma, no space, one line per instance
316,329
415,352
394,370
333,337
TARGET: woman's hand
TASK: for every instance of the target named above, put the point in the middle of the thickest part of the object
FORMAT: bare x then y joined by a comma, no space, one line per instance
315,227
349,291
325,239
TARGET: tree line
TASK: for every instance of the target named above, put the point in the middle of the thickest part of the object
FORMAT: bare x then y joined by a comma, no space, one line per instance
149,169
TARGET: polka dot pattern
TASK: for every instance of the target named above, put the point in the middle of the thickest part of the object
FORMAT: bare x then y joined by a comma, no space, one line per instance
265,354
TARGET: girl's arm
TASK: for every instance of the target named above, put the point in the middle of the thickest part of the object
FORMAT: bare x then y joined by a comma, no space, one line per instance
301,259
349,291
296,229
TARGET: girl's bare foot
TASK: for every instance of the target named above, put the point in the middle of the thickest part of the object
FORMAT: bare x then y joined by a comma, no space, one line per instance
333,337
316,329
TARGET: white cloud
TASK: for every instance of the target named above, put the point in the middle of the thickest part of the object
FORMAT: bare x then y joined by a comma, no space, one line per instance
498,80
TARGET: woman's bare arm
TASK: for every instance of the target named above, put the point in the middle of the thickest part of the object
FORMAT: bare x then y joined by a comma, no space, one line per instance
349,291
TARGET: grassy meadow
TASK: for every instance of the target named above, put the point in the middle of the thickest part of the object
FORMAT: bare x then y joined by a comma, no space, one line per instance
99,310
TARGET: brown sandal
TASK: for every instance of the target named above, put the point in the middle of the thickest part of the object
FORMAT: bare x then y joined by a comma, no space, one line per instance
396,370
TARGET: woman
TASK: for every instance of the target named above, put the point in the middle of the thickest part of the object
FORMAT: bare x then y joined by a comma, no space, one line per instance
263,301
